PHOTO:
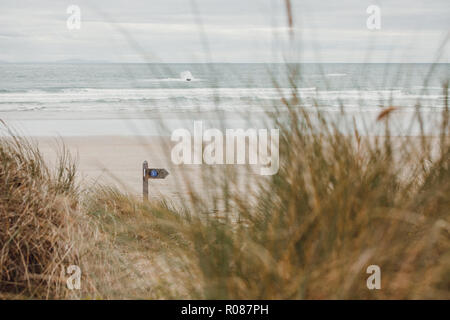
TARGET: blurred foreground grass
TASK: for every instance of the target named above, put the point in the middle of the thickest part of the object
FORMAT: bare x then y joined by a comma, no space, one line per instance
339,203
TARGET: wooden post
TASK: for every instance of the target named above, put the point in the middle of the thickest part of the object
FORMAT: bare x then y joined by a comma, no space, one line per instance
145,181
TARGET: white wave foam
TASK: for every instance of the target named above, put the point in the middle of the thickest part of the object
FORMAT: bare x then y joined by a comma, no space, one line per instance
206,98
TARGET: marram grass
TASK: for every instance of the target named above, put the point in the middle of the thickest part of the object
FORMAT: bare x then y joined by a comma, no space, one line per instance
339,203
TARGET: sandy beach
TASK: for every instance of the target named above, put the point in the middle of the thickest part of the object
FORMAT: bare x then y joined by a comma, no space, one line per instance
117,160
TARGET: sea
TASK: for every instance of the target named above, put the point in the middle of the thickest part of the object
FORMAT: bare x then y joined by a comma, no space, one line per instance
68,99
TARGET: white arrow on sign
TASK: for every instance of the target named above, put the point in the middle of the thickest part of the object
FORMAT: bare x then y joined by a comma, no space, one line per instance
157,173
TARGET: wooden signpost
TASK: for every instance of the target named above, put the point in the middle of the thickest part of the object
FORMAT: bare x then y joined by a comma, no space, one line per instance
151,173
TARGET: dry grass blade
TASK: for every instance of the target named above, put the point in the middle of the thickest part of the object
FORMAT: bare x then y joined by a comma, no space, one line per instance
386,113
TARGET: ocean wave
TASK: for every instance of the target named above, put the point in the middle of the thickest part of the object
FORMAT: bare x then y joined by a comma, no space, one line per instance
110,99
30,108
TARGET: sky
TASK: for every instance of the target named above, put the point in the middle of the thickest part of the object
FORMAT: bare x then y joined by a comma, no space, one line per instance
224,31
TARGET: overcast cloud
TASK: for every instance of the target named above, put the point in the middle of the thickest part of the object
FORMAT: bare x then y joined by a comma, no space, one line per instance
222,31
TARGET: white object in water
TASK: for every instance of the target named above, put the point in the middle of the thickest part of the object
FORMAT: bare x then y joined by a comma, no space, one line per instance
186,75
